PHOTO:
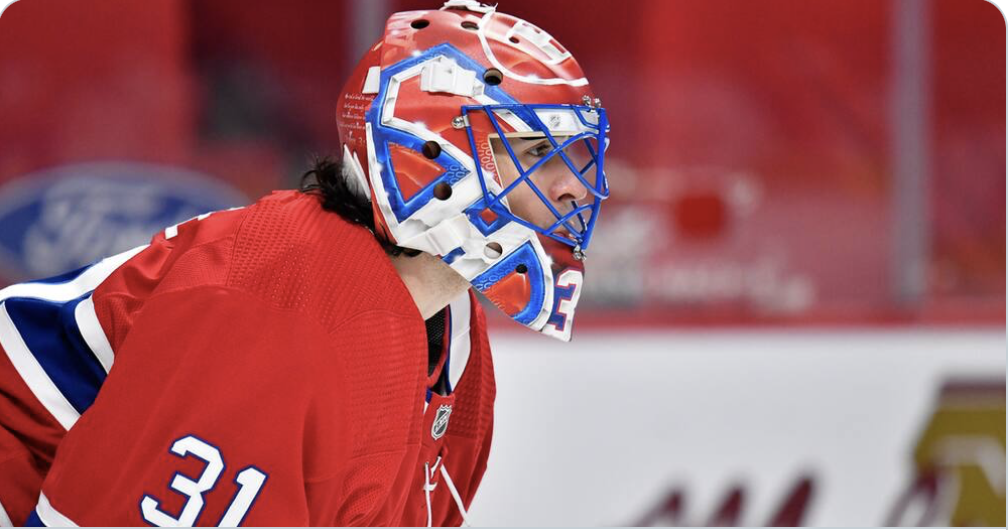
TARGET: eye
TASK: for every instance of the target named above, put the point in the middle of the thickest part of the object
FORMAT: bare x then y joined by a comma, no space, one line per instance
541,149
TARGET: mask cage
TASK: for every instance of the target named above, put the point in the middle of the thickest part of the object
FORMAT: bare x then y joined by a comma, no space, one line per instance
595,127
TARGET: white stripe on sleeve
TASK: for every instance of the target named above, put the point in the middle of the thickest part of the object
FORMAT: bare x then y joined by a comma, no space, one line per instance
32,372
61,292
94,335
461,312
4,518
50,516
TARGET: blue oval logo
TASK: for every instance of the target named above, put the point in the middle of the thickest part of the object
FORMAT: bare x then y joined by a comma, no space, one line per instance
63,218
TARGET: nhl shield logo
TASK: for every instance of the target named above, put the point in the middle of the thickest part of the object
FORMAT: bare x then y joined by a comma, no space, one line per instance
441,421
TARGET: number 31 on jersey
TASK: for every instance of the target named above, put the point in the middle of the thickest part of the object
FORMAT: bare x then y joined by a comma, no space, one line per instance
249,481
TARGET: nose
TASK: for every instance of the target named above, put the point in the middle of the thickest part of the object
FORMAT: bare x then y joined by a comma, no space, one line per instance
565,186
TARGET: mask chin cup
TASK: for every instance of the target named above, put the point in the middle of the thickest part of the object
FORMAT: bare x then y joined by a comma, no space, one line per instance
516,285
531,293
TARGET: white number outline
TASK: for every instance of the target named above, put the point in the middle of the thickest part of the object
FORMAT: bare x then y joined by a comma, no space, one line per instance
184,485
565,308
250,481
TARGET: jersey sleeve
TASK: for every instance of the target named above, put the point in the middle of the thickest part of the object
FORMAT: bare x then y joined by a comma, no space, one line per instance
214,413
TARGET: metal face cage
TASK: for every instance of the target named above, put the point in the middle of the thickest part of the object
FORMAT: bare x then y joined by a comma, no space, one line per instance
590,129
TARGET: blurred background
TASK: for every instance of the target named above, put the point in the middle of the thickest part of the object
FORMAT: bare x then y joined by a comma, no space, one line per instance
796,297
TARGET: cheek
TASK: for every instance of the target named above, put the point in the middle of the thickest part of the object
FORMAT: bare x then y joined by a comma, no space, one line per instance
520,203
505,168
527,205
547,176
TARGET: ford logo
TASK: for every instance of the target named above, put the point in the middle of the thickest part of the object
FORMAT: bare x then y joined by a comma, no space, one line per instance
63,218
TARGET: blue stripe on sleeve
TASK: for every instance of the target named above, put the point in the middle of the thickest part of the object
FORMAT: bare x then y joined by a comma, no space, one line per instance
33,520
50,332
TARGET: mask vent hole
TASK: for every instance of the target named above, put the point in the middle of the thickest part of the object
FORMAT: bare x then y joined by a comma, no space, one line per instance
470,25
493,250
521,268
442,191
493,77
431,149
419,24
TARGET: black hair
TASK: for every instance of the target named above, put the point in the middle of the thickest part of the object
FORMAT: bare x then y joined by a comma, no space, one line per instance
330,183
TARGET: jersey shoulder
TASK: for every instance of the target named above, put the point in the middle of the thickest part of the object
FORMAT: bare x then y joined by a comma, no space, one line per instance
284,251
295,255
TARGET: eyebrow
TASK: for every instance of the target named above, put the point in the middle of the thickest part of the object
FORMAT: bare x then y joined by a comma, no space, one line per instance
537,137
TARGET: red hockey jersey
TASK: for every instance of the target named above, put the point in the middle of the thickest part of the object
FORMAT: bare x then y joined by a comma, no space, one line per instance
263,366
